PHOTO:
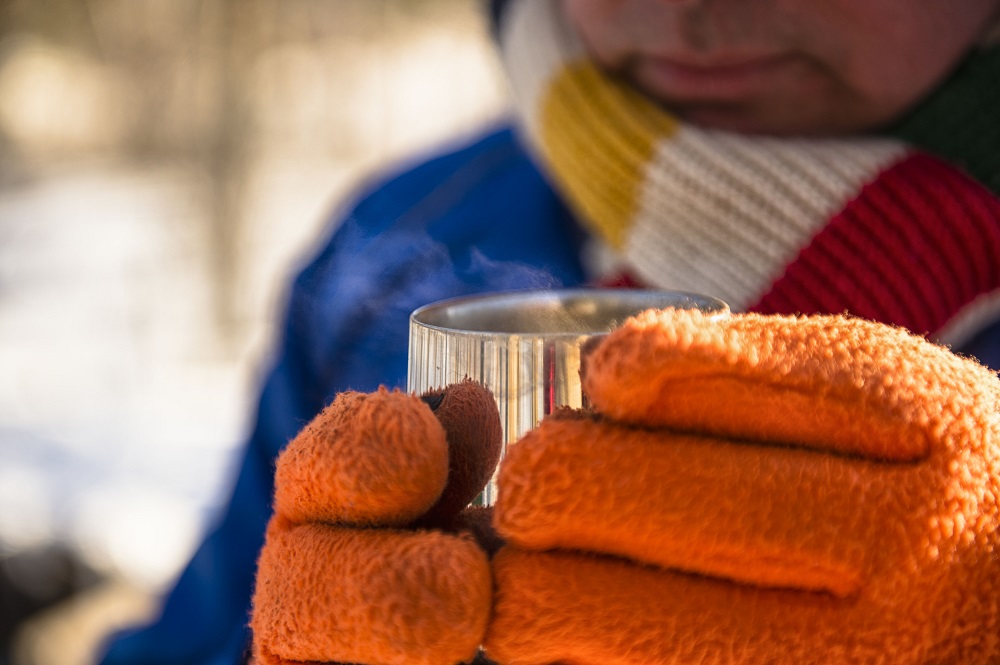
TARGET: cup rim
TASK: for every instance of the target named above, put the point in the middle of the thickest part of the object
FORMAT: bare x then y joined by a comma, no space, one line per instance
431,315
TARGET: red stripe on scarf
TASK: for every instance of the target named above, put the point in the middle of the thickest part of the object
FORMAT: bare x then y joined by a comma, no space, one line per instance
622,280
914,247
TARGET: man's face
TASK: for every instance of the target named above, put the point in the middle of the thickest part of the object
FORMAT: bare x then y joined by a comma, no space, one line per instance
783,66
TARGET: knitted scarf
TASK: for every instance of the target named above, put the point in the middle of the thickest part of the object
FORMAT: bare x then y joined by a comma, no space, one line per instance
902,228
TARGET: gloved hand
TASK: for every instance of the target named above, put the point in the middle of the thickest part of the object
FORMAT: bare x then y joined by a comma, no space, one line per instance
345,573
756,489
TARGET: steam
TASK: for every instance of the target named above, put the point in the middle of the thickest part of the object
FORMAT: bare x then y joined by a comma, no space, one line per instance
354,301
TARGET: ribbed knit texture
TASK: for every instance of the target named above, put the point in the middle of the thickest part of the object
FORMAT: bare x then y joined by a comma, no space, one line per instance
961,122
900,236
605,172
913,248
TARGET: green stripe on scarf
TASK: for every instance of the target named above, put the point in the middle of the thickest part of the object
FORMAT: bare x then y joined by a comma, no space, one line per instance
960,122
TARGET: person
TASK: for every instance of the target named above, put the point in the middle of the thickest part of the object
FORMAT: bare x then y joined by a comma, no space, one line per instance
783,155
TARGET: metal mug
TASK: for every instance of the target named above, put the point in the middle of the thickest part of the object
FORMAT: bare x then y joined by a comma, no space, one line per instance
526,347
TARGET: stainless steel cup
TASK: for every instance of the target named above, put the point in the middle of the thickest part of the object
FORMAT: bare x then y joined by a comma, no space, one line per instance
525,346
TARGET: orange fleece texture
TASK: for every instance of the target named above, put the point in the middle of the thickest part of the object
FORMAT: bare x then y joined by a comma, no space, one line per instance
330,587
367,459
776,490
379,596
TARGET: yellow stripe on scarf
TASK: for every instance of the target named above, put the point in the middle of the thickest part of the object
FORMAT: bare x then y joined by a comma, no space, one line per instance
601,164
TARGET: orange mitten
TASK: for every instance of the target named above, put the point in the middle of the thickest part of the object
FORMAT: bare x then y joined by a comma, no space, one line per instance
757,489
344,574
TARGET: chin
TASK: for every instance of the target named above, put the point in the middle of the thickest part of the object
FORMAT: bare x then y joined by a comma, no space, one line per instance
813,111
767,122
734,121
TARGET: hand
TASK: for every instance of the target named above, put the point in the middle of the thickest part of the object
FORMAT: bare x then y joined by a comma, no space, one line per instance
345,574
756,489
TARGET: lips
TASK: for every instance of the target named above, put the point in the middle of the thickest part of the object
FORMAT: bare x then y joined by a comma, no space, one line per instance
719,79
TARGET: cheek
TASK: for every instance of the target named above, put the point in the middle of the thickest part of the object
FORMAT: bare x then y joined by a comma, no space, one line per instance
608,28
894,52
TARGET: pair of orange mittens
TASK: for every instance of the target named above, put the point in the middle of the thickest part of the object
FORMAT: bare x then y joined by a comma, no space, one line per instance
750,489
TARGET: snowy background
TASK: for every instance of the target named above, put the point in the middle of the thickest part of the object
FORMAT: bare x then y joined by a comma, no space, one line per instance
164,167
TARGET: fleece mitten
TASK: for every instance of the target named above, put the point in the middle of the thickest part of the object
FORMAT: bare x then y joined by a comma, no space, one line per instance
756,489
369,557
